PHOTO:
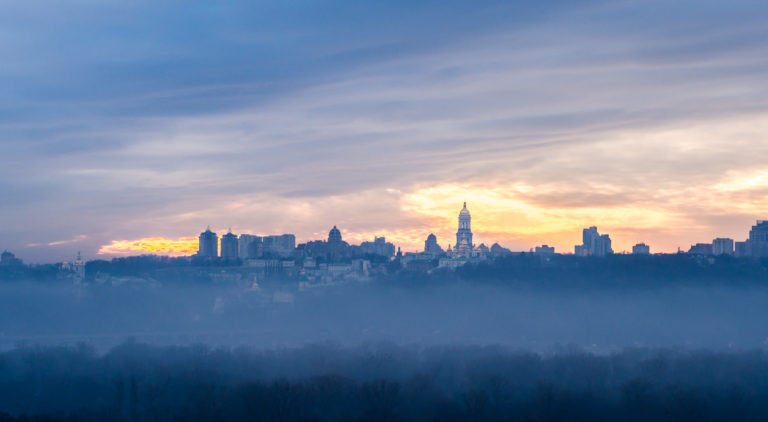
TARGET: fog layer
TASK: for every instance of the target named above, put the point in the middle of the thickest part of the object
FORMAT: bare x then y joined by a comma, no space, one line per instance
718,317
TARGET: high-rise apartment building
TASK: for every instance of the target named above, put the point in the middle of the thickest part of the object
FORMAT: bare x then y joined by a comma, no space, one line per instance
229,246
757,244
593,243
251,247
722,246
208,244
281,245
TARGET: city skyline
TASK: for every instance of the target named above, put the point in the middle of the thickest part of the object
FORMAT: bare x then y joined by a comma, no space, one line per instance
593,243
380,118
188,245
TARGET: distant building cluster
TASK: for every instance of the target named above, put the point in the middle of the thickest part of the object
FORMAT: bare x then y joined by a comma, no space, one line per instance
594,243
334,256
755,246
256,250
544,250
317,260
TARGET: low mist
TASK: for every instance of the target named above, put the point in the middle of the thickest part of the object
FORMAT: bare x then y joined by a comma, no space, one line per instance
716,317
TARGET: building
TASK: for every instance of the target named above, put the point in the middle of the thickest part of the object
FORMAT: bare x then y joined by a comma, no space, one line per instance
9,259
418,261
335,249
229,246
336,246
74,271
431,247
498,251
334,236
722,246
78,267
250,246
593,243
603,245
208,244
464,245
544,250
740,249
481,251
701,249
464,248
379,246
757,244
279,245
641,249
588,238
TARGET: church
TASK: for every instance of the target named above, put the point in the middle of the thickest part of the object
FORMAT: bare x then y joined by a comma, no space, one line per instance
464,247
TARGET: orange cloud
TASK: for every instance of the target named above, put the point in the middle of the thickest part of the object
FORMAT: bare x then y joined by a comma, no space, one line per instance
182,246
508,215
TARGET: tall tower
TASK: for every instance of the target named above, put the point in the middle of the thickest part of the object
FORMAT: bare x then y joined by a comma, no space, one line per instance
464,234
229,246
209,244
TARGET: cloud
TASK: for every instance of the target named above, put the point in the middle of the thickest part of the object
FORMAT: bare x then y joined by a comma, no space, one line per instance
76,239
383,119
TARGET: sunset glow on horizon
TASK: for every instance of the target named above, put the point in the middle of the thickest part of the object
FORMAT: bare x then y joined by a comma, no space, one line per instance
513,216
151,245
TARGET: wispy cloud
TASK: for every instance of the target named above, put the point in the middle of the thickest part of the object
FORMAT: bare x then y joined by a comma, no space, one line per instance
76,239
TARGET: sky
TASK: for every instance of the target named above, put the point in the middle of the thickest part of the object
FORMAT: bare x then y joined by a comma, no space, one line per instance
129,127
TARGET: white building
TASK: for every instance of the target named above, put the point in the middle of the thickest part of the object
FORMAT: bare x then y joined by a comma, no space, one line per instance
722,246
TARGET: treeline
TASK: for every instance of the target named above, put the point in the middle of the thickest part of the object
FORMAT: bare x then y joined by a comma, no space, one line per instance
135,382
38,273
523,269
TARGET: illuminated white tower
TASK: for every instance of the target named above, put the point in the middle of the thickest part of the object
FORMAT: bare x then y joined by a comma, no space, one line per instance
464,234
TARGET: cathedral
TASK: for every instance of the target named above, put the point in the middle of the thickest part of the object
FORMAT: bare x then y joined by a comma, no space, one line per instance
464,248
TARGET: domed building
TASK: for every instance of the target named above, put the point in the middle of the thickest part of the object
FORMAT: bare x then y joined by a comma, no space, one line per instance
431,247
335,249
334,236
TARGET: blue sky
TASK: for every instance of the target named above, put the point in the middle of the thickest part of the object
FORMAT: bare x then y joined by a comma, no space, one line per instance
131,120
